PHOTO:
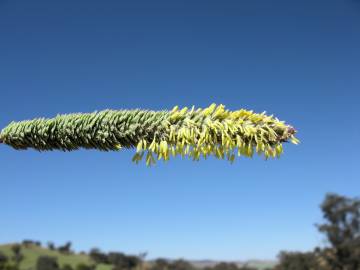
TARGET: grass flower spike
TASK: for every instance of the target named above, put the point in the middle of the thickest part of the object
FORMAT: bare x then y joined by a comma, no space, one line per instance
213,131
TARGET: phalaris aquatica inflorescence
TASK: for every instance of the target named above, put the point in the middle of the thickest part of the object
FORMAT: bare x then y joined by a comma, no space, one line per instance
212,131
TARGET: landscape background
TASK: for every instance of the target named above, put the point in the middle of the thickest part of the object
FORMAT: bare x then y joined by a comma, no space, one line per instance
298,60
33,252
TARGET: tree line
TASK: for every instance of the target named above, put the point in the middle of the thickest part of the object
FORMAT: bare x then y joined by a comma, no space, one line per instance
341,228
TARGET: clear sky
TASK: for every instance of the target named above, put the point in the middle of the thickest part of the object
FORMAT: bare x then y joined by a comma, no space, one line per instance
299,60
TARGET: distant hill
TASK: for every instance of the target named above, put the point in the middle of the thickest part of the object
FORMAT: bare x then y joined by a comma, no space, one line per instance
32,252
259,264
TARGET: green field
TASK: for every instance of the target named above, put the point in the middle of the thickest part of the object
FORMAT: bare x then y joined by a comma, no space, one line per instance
32,252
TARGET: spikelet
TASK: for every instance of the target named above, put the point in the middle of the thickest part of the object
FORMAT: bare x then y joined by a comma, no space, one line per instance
213,131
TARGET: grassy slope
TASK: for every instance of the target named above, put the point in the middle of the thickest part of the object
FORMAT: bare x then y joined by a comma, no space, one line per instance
31,254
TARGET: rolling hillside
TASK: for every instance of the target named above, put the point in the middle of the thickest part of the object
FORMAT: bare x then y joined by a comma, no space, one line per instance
32,252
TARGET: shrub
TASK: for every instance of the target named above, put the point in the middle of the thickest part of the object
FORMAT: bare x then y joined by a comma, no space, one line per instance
47,263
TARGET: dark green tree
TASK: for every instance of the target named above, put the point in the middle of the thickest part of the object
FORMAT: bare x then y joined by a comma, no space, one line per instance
6,263
160,264
128,263
97,256
3,261
29,242
17,255
65,249
120,261
225,266
16,248
342,229
297,261
116,258
47,263
181,264
51,246
229,266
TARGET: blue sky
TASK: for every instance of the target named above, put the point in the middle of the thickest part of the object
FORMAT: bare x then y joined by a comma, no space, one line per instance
299,60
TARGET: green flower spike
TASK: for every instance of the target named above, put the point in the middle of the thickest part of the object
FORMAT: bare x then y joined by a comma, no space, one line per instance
213,131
